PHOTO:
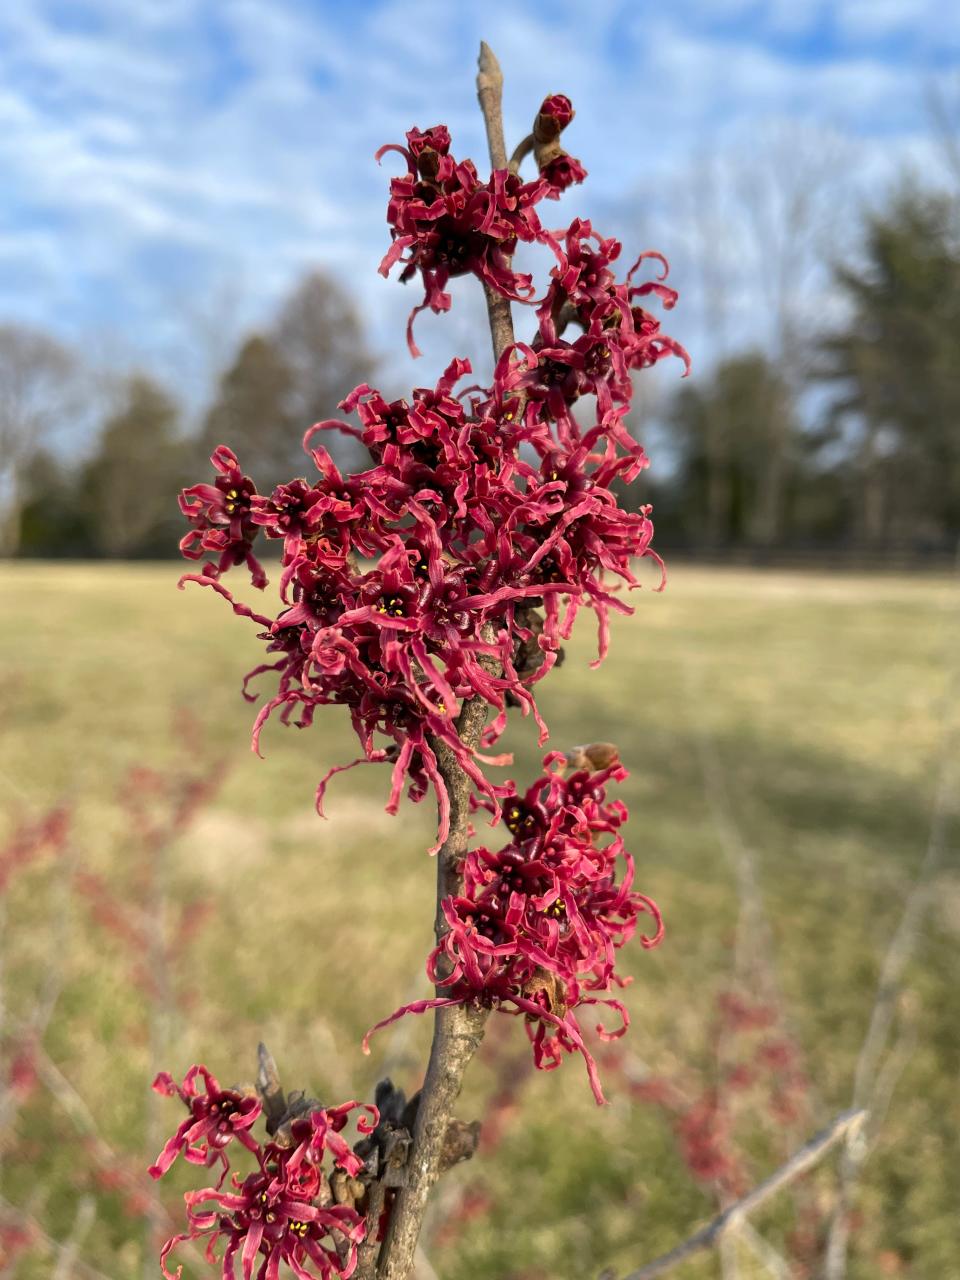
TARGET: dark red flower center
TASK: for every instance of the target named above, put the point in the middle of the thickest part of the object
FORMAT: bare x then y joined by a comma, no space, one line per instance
597,362
392,606
520,819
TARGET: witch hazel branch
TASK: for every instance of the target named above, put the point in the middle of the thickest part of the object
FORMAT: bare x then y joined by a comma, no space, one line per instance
430,594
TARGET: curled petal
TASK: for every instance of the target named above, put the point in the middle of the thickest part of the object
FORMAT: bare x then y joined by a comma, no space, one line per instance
417,1006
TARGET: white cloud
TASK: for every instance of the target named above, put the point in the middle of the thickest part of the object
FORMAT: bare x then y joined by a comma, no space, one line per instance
187,145
927,21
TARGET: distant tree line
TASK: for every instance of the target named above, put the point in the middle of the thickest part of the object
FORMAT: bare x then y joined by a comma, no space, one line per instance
863,449
120,500
857,445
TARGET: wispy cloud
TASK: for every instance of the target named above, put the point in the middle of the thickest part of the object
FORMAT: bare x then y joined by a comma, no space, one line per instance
156,157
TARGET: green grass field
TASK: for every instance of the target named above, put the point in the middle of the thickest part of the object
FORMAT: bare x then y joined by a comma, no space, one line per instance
799,717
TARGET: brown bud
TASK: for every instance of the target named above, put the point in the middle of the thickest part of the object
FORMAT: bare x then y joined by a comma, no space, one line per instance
546,139
593,756
459,1143
550,984
269,1089
602,755
346,1190
546,129
428,163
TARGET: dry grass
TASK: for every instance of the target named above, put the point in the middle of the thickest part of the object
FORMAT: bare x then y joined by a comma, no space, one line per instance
821,700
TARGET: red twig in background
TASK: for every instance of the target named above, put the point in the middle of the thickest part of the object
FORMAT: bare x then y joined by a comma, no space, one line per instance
31,841
131,908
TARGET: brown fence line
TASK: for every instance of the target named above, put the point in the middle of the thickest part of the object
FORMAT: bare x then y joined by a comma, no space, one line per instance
938,560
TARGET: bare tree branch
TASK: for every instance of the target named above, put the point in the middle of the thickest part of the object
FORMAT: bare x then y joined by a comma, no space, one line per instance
904,940
34,1029
490,93
846,1126
458,1031
729,1262
754,943
755,951
84,1121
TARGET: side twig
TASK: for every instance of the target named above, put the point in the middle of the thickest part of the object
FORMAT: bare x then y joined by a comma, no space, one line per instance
49,1243
846,1125
78,1112
86,1214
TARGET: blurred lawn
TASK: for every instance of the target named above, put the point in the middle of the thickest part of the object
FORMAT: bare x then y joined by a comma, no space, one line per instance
820,699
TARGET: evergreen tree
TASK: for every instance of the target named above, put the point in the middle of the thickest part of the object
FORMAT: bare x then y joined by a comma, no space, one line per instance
139,463
894,365
738,450
253,410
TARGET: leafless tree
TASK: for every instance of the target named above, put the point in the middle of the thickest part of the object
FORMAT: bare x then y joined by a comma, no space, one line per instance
789,200
943,109
761,234
712,253
36,374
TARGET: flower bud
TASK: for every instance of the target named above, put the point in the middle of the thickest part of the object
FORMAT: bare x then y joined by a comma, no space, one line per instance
558,107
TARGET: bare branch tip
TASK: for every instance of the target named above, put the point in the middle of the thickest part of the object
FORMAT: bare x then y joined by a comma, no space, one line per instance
488,73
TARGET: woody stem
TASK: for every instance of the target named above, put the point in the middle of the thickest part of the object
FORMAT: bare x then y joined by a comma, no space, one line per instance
458,1030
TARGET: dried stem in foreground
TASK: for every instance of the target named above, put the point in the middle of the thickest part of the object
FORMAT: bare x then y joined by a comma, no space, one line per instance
458,1030
847,1125
876,1075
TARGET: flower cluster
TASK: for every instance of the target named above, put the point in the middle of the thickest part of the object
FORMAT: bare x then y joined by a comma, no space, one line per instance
538,924
454,566
445,222
282,1212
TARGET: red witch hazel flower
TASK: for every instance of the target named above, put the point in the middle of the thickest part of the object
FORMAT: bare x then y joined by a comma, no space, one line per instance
453,568
446,223
537,927
221,517
284,1210
217,1116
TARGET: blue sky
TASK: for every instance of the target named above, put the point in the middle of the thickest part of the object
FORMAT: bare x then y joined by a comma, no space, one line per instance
170,167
